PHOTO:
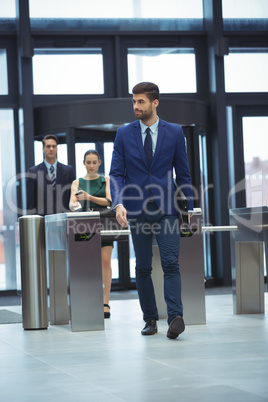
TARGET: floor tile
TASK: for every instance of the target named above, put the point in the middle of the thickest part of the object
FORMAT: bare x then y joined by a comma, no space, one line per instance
224,360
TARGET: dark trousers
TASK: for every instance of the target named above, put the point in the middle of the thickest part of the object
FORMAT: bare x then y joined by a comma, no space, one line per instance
165,228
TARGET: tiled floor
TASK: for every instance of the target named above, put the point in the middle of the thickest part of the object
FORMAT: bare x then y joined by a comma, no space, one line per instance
224,360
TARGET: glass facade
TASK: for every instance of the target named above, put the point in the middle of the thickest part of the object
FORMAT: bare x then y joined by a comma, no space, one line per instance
255,143
68,73
116,9
108,151
9,245
172,68
245,15
3,73
7,8
122,15
205,189
247,9
246,71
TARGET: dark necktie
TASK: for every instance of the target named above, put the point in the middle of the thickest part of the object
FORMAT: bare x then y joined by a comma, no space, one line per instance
52,177
148,147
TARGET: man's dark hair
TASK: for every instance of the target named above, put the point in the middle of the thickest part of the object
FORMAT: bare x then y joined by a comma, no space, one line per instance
50,137
150,89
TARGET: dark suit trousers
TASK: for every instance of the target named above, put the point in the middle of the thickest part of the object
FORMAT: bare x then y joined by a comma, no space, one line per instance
152,222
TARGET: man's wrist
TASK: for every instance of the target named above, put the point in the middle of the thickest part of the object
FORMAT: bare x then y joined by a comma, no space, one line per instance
117,205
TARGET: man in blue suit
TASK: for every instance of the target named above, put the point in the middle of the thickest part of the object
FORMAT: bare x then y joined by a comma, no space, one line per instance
49,183
146,154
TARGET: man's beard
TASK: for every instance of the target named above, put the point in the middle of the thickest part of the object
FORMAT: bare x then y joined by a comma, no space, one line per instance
145,115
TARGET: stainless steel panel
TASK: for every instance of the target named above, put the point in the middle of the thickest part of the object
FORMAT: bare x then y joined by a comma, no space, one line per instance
33,272
58,297
85,280
247,258
248,290
75,274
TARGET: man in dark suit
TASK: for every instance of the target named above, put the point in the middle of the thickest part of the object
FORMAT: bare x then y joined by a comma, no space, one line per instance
146,153
49,183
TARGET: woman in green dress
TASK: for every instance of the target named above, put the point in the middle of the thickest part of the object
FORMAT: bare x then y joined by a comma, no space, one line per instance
92,192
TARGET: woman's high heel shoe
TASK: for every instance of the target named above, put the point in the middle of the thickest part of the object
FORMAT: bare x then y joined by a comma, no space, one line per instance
107,314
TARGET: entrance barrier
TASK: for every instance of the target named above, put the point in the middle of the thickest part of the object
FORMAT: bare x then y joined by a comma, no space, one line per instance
73,244
33,272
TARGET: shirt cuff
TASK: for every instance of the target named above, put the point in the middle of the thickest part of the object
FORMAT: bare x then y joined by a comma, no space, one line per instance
117,205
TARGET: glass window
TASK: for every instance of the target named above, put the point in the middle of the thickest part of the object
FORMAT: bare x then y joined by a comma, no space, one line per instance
255,139
116,9
132,259
7,9
172,9
205,202
9,239
3,72
108,152
114,262
246,71
121,15
68,73
245,9
148,64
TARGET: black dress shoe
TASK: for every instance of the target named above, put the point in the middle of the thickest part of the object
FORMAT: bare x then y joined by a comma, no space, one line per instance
150,328
176,327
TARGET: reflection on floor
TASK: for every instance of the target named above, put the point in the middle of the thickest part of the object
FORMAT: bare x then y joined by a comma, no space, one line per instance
224,360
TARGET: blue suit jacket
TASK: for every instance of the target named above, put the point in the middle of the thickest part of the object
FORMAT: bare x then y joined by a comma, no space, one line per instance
41,198
132,182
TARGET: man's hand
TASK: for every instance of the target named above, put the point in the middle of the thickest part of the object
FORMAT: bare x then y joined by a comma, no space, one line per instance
121,216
